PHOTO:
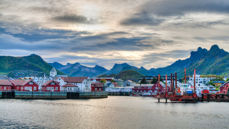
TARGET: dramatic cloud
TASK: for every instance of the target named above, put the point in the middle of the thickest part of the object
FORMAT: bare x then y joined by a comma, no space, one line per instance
149,33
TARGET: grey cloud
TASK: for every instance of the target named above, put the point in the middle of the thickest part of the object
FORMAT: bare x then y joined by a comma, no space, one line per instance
154,13
179,7
142,19
72,18
206,24
163,57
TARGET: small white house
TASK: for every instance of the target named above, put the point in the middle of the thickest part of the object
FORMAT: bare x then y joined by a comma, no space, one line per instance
83,83
70,88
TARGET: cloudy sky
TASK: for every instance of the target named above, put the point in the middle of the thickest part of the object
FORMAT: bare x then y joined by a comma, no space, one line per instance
149,33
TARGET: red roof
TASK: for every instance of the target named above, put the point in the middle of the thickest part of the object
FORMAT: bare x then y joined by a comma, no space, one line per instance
48,82
19,82
69,85
74,79
97,84
5,83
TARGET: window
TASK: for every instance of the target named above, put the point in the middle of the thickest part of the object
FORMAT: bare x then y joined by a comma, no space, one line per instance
52,83
35,88
30,83
56,88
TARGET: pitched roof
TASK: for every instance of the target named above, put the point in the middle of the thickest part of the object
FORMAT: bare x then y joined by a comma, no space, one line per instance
69,85
97,84
74,79
5,83
18,82
48,82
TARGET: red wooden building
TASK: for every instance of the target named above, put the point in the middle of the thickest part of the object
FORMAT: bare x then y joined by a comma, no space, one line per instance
149,89
52,86
5,85
24,85
96,86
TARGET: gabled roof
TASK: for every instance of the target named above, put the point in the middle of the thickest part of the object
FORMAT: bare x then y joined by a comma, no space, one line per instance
19,82
69,85
5,83
97,84
74,79
48,82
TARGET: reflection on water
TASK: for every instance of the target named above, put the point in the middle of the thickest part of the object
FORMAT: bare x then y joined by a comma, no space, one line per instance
112,113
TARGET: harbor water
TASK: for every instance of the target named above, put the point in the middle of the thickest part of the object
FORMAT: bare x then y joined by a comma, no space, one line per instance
114,112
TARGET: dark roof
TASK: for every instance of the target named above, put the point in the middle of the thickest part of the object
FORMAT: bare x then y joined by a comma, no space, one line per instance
69,85
74,79
97,84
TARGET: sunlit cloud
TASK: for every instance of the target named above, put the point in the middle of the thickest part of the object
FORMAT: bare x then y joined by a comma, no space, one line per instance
149,33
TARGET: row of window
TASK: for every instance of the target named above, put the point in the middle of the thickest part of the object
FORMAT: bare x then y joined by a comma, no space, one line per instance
5,88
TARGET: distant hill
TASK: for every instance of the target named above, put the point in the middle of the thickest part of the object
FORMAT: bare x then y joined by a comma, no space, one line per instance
129,75
10,64
77,69
126,75
117,68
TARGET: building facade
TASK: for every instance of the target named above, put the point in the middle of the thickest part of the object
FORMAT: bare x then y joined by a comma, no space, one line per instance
83,83
51,86
97,87
24,85
5,85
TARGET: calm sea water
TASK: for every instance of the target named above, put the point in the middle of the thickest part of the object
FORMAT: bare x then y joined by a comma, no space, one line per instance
112,113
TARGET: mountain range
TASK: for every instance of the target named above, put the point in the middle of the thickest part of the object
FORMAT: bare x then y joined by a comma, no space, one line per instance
213,61
77,69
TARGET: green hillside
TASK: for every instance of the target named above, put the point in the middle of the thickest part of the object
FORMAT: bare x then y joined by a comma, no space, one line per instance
129,75
33,62
215,61
126,75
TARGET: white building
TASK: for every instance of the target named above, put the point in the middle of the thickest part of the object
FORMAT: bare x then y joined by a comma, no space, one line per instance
70,88
201,79
201,83
53,72
83,83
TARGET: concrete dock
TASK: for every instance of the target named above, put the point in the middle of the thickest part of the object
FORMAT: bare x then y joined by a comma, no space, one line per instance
51,95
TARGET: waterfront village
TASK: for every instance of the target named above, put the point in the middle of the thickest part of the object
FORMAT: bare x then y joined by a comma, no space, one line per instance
110,86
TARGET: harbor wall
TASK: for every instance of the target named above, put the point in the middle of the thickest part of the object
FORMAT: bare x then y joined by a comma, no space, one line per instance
52,95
